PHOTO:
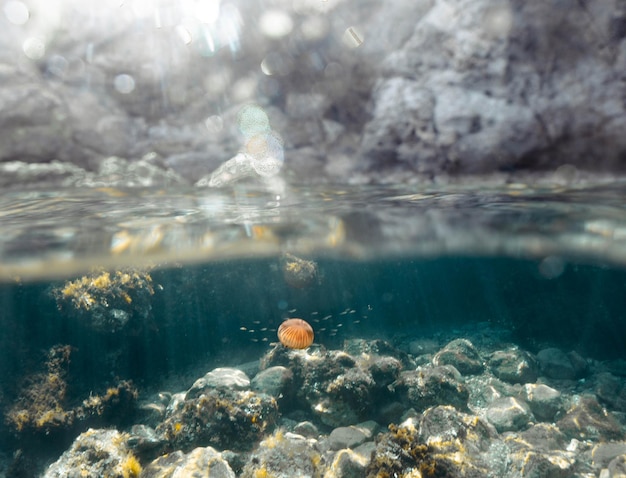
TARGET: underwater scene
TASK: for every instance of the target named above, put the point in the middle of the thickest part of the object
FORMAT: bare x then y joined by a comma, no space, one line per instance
312,238
371,331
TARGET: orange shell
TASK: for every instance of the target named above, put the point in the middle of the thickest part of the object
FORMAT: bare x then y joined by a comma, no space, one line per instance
295,334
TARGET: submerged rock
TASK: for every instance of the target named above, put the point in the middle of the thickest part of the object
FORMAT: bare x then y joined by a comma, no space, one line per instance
347,464
348,437
405,451
611,391
337,387
557,364
219,417
604,453
198,462
443,424
514,366
275,381
284,455
540,464
220,378
94,454
462,355
509,414
617,467
545,402
431,386
587,419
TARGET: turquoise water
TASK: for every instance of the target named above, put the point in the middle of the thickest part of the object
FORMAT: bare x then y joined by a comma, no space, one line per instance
535,268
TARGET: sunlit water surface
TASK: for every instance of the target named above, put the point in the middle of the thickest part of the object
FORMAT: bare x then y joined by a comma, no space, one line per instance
60,233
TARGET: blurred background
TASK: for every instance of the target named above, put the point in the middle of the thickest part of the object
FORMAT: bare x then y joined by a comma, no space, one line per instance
151,92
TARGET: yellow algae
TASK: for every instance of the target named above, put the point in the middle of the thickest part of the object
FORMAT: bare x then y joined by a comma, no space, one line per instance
131,468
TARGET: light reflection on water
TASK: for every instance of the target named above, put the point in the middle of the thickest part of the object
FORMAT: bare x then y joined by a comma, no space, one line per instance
59,233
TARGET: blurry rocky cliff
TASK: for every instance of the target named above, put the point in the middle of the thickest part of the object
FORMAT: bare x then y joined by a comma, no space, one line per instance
139,92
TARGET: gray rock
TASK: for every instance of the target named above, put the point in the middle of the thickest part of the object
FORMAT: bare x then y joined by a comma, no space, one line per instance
542,464
306,429
54,173
445,424
580,364
617,467
366,449
544,436
485,388
586,420
611,390
509,414
143,438
338,389
198,462
514,366
347,464
95,453
442,87
461,354
385,370
32,122
430,386
555,363
274,381
604,453
467,94
348,437
284,454
219,378
545,402
220,417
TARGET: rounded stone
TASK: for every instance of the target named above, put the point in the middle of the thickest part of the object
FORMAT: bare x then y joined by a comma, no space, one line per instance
509,414
461,354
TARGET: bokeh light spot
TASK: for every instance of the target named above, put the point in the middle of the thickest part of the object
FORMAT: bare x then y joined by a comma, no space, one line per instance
498,20
124,83
57,65
253,120
275,24
207,11
184,34
276,64
16,12
214,123
34,48
551,267
315,28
